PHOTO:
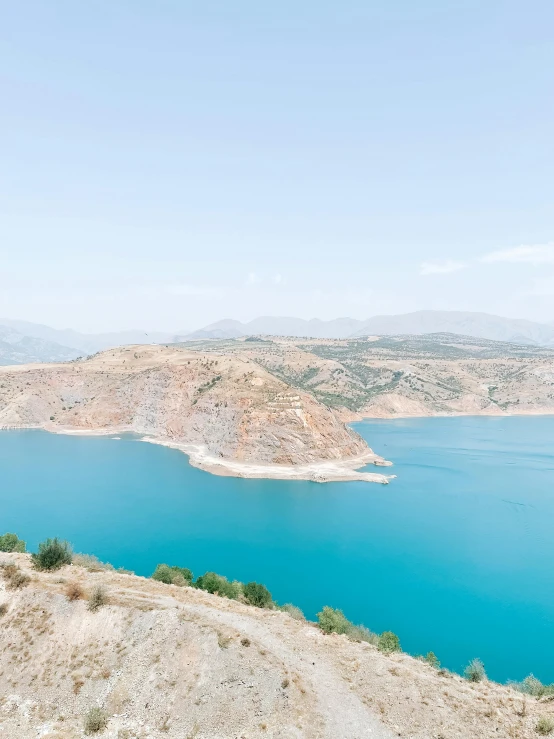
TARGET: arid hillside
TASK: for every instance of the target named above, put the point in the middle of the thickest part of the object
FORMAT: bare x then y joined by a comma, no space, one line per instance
231,415
438,374
160,661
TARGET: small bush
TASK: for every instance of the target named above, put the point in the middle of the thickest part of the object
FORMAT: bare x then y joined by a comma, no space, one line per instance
293,611
361,633
545,725
475,671
211,582
3,609
52,554
74,591
432,659
333,621
388,643
11,543
257,595
96,720
172,575
91,563
14,577
97,598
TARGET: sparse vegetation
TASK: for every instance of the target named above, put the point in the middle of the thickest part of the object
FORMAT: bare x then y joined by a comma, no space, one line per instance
11,543
211,582
96,720
545,725
293,611
91,563
3,609
172,575
432,659
333,621
13,575
97,598
475,671
533,686
52,554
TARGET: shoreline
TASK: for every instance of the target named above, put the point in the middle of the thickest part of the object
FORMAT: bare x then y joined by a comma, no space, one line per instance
339,470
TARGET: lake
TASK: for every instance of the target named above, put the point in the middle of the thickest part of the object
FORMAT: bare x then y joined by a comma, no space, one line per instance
456,555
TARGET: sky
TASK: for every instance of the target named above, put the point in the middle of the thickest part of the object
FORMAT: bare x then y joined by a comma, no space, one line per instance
167,164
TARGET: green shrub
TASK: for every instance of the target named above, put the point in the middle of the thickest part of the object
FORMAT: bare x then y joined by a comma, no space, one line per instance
172,575
333,621
257,595
432,659
475,671
211,582
545,725
388,643
96,720
11,543
533,686
293,611
52,554
97,598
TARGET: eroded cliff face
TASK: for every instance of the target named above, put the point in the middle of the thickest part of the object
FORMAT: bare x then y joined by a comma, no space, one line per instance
228,405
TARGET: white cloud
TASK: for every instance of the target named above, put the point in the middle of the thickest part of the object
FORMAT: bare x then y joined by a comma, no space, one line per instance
277,279
253,279
535,254
441,268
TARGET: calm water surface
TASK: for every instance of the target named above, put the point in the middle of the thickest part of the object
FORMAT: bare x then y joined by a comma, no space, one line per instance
455,555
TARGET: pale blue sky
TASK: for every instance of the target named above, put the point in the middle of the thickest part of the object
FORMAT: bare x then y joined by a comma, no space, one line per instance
165,164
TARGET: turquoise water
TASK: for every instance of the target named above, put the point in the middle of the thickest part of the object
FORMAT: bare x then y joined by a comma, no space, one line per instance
455,555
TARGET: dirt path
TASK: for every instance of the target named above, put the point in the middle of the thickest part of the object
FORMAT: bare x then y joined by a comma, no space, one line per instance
343,713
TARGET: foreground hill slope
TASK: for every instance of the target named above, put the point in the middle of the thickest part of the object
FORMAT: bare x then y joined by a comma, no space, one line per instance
227,412
164,661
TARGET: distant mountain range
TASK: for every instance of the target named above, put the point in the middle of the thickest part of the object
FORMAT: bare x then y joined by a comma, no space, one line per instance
59,344
479,325
16,348
22,342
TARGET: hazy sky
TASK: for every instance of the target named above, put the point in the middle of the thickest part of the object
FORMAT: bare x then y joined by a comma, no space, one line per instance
167,163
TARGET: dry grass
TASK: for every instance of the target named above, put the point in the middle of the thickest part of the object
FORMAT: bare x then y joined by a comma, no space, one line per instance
74,591
14,577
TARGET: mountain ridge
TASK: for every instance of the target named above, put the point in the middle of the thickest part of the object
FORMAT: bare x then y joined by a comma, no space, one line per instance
465,323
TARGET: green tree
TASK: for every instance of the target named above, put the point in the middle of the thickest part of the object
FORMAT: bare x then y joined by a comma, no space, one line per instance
52,554
11,543
257,595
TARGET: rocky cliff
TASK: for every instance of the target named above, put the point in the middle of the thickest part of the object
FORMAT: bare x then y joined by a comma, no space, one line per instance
231,415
